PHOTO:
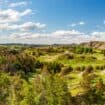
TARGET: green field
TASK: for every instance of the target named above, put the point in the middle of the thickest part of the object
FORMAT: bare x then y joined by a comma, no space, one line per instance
52,75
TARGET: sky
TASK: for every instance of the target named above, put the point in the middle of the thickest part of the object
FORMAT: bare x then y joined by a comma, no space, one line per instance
52,21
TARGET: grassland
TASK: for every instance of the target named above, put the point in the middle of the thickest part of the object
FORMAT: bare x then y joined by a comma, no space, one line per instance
80,68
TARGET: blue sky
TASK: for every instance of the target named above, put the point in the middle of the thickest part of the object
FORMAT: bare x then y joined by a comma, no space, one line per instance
51,21
61,13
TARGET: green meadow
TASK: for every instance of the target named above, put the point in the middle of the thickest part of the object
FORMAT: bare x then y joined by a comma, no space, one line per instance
52,75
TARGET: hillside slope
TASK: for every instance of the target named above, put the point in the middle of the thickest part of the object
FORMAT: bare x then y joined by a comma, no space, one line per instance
95,44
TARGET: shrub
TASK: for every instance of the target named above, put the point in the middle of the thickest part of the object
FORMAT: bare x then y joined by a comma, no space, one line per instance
38,64
83,68
26,63
78,68
97,67
53,67
66,70
82,56
101,67
89,69
66,56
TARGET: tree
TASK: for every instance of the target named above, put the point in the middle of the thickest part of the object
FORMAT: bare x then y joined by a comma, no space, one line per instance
26,63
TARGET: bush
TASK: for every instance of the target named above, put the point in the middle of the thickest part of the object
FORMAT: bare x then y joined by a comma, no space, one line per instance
89,69
27,63
53,67
66,70
97,67
83,68
82,56
78,68
66,56
38,64
101,67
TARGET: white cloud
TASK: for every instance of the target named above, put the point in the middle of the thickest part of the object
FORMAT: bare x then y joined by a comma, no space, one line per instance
26,12
4,27
23,3
26,35
59,36
81,23
11,15
98,33
28,26
77,24
66,32
99,36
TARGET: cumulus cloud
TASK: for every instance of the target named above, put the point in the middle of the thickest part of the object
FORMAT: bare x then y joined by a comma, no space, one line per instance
28,26
23,3
26,35
98,36
59,36
11,15
66,32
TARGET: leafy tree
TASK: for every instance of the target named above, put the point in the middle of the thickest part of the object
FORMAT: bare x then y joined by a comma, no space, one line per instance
25,63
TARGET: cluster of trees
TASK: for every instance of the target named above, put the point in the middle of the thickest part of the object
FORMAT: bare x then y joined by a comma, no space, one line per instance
16,63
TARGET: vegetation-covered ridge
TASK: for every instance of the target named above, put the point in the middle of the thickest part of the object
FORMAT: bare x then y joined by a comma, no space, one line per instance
52,75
